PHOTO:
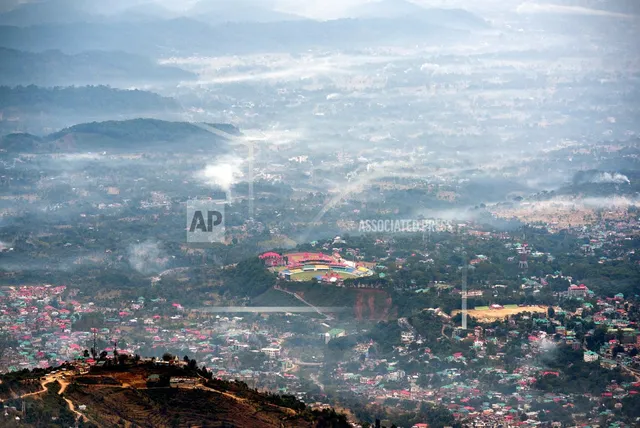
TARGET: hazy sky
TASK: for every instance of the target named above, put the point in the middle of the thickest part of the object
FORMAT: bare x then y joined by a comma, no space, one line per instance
327,9
335,8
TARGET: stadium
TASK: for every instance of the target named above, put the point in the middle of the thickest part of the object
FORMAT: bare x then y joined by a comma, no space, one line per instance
309,266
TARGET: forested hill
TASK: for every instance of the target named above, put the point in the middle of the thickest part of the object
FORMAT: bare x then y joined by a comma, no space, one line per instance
81,100
130,135
52,67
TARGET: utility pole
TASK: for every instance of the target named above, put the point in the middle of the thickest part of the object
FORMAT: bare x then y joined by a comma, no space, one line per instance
464,290
95,342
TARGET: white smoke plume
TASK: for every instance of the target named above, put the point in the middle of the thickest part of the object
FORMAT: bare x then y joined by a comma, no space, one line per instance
599,177
223,173
608,177
547,346
147,257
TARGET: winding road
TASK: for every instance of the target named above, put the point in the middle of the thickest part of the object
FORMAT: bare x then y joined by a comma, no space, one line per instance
63,386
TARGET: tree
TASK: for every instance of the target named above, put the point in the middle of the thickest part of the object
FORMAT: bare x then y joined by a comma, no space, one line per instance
85,353
617,349
551,313
167,356
598,338
122,359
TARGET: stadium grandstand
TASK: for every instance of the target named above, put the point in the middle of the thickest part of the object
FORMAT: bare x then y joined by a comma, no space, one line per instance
311,265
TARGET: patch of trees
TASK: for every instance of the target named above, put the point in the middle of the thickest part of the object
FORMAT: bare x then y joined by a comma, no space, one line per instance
137,130
51,67
576,376
83,100
40,412
386,335
249,278
89,320
437,416
631,407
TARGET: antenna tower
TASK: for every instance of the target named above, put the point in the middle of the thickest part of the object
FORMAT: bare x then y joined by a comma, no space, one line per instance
464,290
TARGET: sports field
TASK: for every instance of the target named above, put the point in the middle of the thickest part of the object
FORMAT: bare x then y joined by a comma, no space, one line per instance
484,313
308,266
310,275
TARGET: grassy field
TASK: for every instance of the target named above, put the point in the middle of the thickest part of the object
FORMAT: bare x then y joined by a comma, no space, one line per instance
310,275
304,276
484,313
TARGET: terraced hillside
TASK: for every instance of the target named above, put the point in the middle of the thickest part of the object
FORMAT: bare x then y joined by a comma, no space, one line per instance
142,394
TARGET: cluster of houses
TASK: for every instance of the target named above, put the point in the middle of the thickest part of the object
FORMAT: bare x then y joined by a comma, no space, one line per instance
44,325
36,324
462,386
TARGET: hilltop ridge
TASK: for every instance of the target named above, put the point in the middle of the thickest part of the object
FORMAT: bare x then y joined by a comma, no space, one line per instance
133,391
130,135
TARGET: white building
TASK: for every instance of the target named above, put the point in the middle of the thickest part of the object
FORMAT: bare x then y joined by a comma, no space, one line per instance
271,352
590,356
406,337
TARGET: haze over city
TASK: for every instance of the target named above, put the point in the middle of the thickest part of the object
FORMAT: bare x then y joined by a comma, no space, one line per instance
268,213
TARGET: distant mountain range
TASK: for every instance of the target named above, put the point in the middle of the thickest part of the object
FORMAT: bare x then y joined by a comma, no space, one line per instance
208,11
452,18
217,27
76,11
54,68
42,12
142,12
135,135
190,36
385,9
221,11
